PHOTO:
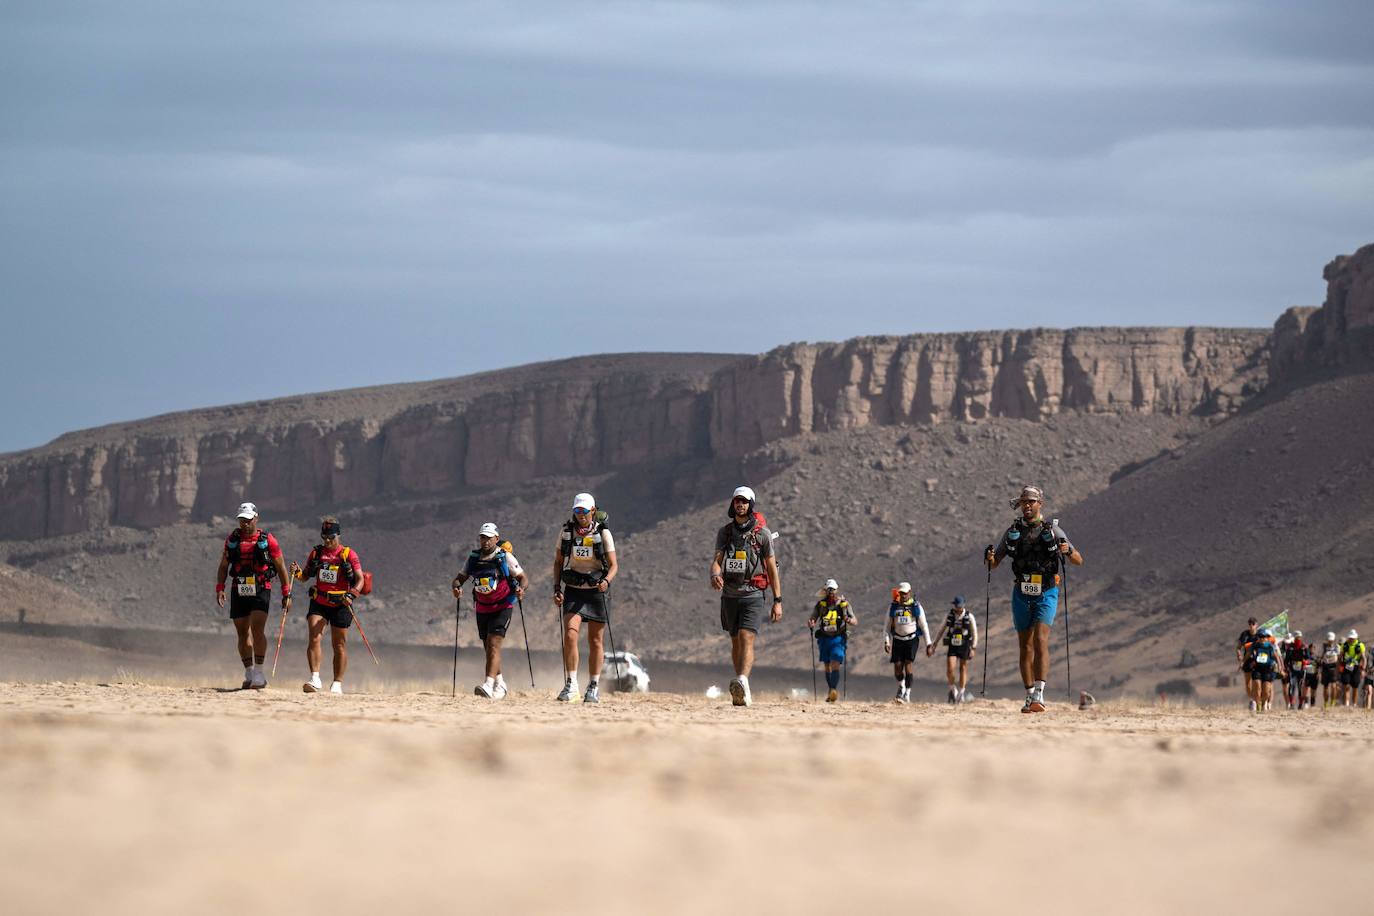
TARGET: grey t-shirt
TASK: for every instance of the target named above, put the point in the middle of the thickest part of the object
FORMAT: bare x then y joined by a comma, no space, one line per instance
738,562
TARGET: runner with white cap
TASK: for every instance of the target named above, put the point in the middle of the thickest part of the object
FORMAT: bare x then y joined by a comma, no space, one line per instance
498,581
246,564
830,620
902,634
584,565
742,568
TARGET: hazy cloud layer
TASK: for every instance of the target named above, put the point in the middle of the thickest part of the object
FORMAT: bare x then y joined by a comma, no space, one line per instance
200,207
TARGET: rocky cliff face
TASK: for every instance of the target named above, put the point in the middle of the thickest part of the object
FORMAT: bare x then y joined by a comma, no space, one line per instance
1340,333
926,378
601,414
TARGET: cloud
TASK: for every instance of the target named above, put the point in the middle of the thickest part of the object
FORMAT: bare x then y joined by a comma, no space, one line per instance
467,186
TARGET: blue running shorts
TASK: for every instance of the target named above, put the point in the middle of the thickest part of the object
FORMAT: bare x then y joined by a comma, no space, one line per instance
1028,610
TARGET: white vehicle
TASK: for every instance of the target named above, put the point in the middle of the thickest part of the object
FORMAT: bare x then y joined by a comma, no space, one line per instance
625,673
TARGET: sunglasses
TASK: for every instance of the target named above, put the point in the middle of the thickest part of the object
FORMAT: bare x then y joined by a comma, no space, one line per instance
582,511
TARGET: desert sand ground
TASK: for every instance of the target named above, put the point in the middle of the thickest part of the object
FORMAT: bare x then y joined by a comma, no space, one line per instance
132,798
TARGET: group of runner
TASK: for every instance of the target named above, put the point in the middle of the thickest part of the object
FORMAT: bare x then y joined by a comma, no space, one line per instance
1344,669
743,569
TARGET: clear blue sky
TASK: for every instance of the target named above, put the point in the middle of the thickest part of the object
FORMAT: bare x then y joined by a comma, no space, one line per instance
189,197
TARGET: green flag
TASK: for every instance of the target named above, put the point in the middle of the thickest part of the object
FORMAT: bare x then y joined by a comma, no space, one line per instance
1277,625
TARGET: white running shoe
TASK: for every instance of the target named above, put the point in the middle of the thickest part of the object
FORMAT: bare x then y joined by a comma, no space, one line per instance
953,696
593,694
483,690
499,690
901,692
569,693
336,687
906,695
313,685
257,680
248,679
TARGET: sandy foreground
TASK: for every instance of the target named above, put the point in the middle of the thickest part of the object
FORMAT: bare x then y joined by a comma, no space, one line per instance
136,799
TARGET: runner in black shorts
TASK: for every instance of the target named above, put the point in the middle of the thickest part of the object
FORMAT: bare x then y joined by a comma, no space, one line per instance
1330,659
960,633
584,566
902,634
1242,662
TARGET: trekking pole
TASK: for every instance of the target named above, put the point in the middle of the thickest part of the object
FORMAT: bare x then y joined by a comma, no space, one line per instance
457,617
987,617
359,621
1068,641
846,665
611,634
812,639
280,633
521,603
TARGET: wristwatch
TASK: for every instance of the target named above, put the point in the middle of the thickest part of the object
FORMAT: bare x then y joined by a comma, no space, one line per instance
777,599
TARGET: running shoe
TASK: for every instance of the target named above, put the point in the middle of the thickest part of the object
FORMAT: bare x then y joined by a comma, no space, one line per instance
901,691
593,694
313,685
832,696
569,693
499,691
953,696
739,692
1030,700
336,687
1037,702
482,690
257,680
247,680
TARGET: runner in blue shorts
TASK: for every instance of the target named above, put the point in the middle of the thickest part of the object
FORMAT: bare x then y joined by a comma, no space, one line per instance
830,620
1037,549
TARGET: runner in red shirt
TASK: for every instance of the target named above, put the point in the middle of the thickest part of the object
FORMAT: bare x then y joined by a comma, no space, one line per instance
246,565
338,575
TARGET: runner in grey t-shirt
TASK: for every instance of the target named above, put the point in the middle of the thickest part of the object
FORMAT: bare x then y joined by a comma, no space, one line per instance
742,568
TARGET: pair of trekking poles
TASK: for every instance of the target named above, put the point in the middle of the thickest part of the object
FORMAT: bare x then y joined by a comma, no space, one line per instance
458,618
281,632
1068,639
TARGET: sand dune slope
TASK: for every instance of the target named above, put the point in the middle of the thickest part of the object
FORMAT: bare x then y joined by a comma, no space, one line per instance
136,799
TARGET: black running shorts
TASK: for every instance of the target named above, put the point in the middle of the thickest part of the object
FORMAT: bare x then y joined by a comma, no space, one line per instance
743,613
1329,675
1312,678
492,623
339,616
1351,678
588,602
1263,674
904,650
242,606
959,651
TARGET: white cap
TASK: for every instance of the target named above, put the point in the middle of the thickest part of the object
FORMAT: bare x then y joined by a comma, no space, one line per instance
488,530
831,583
904,588
745,492
1298,633
1352,634
584,501
248,510
1330,636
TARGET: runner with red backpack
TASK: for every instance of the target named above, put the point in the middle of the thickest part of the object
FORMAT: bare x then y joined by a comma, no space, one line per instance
338,574
246,565
743,567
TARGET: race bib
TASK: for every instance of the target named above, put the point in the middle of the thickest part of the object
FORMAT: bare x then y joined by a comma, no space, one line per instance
583,553
484,586
329,575
247,587
957,639
1261,658
736,564
1032,586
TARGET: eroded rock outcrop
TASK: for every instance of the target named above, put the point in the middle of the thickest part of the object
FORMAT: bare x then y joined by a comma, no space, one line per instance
1340,333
